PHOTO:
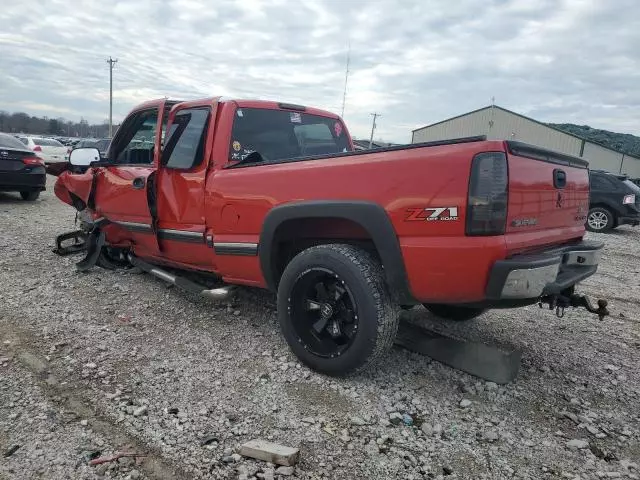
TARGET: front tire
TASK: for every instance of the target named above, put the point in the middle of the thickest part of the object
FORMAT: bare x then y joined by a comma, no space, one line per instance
599,220
30,196
335,309
454,312
112,259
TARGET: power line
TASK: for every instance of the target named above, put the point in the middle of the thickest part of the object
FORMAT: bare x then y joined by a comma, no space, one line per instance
373,128
111,63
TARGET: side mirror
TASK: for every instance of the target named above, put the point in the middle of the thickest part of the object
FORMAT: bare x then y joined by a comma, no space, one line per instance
84,157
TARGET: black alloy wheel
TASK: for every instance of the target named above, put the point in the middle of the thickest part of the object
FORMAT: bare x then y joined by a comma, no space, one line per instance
327,318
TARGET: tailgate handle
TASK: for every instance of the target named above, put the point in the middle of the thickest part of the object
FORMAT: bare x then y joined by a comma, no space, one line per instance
559,178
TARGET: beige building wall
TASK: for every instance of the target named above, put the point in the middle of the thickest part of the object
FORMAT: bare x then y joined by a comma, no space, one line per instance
499,124
601,158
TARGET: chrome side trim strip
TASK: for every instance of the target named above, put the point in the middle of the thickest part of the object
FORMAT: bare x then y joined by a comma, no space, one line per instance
181,235
236,248
134,226
164,233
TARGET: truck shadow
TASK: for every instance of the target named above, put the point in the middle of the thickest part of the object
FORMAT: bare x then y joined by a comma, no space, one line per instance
13,198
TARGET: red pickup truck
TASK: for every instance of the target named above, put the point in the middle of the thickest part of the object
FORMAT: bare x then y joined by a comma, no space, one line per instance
273,195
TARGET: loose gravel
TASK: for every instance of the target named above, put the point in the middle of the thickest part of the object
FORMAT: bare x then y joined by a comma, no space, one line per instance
110,361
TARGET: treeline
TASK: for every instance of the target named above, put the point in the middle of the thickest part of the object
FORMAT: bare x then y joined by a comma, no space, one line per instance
623,142
21,122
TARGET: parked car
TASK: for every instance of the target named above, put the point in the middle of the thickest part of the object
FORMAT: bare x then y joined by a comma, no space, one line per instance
614,201
50,150
102,144
273,195
20,169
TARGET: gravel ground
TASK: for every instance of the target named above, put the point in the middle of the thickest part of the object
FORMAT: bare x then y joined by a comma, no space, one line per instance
104,362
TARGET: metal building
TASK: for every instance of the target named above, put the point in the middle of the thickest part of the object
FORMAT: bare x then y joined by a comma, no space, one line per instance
499,123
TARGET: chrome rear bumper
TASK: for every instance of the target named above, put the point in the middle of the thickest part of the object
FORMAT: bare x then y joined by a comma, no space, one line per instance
545,273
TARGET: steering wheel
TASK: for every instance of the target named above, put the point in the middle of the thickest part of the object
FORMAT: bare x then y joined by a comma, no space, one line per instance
255,157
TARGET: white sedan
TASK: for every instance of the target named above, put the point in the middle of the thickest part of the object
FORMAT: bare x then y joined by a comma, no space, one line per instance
48,149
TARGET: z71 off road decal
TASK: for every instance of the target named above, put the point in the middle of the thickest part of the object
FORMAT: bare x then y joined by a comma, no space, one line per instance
432,214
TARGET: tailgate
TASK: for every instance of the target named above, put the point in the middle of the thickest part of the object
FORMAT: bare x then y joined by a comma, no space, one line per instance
548,197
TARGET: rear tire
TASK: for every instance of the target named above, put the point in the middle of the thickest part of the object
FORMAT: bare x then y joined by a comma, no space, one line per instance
599,220
335,309
30,196
454,312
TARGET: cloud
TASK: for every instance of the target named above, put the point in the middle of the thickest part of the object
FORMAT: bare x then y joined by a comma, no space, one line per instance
415,62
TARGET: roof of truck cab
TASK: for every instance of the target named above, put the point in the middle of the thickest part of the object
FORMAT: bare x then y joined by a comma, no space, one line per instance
243,103
254,103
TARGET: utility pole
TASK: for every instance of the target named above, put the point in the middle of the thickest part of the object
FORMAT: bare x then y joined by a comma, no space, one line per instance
111,63
373,128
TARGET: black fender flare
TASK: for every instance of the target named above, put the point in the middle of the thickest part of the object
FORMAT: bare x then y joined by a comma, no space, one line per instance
370,216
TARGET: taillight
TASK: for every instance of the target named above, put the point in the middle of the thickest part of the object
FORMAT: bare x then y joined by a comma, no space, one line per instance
34,161
629,200
37,148
487,202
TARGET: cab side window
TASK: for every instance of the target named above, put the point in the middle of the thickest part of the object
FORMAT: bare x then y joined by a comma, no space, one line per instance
136,146
186,139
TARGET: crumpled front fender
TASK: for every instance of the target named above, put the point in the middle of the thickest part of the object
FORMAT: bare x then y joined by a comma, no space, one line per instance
69,185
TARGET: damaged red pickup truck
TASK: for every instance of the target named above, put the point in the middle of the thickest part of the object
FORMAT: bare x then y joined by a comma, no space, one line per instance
273,195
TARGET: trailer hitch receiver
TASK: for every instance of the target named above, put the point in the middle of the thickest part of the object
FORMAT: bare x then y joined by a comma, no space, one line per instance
569,299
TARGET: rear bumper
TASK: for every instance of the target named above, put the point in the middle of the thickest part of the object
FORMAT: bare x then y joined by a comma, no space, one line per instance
528,277
629,220
628,215
33,181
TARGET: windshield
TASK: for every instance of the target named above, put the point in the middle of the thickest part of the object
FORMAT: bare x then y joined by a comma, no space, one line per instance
281,135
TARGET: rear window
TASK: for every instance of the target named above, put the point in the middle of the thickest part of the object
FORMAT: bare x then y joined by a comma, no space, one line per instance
632,186
283,135
7,141
601,182
47,142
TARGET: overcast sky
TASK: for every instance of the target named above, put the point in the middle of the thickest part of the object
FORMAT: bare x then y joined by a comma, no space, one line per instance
415,62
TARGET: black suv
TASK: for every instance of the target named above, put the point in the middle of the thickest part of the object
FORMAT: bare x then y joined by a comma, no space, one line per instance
614,201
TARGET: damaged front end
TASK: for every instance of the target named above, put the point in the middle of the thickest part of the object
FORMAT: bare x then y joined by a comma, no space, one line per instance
89,238
76,241
76,187
71,243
